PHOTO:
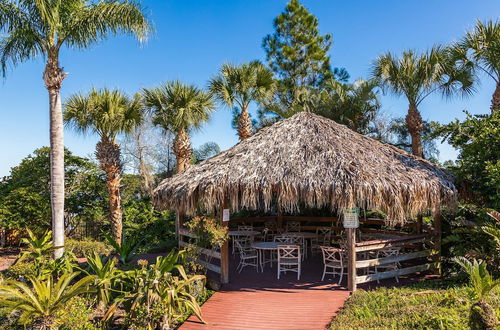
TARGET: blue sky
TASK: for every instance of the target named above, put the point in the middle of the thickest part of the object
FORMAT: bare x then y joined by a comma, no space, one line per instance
194,37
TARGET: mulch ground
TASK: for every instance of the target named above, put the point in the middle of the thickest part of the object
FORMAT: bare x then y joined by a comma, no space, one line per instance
7,257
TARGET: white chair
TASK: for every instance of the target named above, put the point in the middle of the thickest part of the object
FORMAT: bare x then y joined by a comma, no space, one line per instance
384,253
300,241
244,241
283,239
293,226
332,258
289,259
248,256
323,238
245,228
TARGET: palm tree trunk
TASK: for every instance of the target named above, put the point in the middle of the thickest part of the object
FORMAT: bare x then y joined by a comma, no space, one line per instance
182,150
415,127
53,77
244,124
495,101
108,154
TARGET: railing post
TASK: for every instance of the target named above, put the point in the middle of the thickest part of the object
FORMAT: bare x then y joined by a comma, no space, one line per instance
179,221
351,259
437,244
224,250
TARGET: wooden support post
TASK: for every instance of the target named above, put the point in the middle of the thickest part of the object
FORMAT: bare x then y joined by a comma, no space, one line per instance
280,217
437,244
351,259
179,221
224,250
418,226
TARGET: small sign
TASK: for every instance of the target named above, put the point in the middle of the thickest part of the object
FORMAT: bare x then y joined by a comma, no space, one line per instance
225,215
351,218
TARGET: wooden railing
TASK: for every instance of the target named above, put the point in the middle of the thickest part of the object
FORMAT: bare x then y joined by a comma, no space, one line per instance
208,254
429,257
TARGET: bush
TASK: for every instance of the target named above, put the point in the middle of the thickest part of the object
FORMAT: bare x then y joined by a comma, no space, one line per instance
77,315
87,247
21,271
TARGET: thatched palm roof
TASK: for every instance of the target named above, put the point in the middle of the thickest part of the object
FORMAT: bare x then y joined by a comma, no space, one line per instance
313,161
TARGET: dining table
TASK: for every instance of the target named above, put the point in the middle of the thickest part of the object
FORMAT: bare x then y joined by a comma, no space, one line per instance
261,248
244,233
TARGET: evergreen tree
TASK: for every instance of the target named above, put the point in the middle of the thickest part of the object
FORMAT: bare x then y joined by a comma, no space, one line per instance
298,54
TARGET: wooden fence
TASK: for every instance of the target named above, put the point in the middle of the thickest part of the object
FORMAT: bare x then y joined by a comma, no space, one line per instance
208,255
428,256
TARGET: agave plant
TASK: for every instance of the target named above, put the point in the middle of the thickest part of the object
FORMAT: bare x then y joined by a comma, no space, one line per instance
125,250
104,272
482,315
149,288
40,303
38,247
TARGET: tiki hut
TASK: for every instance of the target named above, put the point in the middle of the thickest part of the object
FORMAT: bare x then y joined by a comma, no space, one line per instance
312,161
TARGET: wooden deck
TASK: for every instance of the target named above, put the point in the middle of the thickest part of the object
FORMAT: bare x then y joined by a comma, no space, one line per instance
260,301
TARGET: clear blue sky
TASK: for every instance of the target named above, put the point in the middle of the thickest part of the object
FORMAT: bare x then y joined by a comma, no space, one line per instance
193,38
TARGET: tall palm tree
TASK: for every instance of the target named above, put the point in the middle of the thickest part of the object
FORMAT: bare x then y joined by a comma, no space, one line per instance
416,76
107,113
241,85
480,49
36,28
179,108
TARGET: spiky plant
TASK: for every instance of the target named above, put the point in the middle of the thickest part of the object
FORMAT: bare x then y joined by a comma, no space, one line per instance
107,113
179,108
240,85
416,76
482,315
40,303
31,29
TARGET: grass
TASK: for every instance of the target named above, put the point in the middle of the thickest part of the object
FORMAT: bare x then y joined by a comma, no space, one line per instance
425,305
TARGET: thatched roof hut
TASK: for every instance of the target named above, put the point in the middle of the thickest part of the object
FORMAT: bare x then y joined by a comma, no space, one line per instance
312,161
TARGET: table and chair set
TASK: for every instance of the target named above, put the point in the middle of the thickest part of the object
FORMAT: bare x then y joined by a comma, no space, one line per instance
289,247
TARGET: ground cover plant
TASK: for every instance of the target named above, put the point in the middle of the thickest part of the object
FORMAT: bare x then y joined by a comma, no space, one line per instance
424,305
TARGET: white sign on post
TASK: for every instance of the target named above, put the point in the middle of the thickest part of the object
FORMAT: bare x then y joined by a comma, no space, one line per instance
351,219
225,215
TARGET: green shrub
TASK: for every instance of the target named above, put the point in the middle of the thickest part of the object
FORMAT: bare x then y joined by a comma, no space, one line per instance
76,315
21,271
87,247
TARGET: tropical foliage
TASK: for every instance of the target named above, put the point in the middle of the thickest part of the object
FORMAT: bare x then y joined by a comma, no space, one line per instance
106,113
241,85
478,49
179,108
43,28
416,76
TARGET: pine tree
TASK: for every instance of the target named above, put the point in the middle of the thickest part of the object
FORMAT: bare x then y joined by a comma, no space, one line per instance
298,54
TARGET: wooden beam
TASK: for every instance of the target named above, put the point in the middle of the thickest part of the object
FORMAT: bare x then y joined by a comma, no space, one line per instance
351,259
394,273
224,250
419,223
392,259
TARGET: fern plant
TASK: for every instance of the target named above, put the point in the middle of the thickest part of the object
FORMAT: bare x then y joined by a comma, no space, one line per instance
39,304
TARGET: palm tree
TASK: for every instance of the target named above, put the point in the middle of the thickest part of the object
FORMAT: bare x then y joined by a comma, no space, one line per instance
416,76
179,108
42,28
241,85
107,113
480,49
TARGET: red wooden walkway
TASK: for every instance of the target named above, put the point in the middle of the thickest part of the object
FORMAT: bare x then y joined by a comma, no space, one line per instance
260,301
